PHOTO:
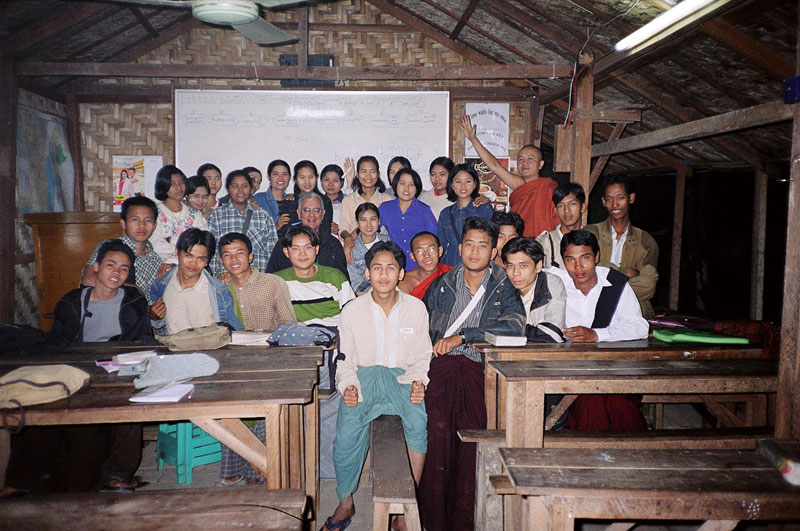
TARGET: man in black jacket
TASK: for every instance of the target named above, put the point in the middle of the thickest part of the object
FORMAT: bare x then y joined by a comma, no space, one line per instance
108,311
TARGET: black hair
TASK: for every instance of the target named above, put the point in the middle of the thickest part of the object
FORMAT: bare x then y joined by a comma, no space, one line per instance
482,224
299,166
529,246
451,195
579,237
287,239
231,237
138,200
442,161
367,206
564,189
425,233
208,166
388,246
624,180
333,168
115,246
398,158
196,181
126,173
510,218
277,162
164,180
414,177
249,169
237,173
194,236
357,184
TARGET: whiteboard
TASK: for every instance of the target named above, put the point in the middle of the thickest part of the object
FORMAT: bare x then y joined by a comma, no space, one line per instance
238,128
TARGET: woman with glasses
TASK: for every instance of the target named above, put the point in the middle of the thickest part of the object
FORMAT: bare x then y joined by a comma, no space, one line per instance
174,216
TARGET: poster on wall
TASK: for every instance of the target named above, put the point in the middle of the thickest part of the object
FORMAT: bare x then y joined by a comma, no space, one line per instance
491,185
45,174
134,175
491,122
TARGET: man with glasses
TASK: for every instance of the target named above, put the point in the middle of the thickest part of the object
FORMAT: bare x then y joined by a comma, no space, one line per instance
310,211
426,252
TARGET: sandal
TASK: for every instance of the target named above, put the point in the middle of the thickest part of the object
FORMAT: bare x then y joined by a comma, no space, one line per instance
341,525
230,482
121,485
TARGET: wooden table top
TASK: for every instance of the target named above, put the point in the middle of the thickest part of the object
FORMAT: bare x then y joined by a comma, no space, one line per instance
649,348
615,472
248,379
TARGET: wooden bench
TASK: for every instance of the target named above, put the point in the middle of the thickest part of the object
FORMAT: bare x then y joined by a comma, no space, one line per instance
491,484
720,487
213,508
393,488
529,381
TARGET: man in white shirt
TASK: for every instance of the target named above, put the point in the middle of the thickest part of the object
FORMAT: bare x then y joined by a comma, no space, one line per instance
384,372
601,306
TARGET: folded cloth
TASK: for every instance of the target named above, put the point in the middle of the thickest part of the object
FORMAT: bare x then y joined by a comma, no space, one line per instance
175,367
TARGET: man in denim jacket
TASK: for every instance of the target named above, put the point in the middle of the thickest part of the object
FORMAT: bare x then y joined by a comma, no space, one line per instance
455,394
189,296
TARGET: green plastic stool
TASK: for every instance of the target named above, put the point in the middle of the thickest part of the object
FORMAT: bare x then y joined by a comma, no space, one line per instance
185,446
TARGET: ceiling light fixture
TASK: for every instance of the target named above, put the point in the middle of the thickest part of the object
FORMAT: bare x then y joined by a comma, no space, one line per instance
665,21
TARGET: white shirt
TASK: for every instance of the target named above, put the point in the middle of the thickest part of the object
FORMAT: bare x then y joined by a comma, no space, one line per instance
617,245
189,307
436,202
627,322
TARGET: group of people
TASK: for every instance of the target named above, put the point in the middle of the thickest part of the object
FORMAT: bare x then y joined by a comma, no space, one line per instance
409,279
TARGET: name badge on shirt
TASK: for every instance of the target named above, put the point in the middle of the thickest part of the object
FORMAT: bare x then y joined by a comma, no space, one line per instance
406,330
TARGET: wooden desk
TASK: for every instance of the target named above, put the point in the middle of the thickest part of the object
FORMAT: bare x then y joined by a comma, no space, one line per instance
529,381
277,384
719,486
644,349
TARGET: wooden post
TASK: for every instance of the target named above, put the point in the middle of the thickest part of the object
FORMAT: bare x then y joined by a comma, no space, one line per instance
8,179
582,129
74,135
677,236
533,127
759,239
787,415
302,42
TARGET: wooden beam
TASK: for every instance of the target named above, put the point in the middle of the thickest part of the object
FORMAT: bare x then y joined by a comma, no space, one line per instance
302,41
53,25
787,413
609,115
143,21
677,237
582,131
535,122
8,183
74,136
183,25
198,71
464,18
758,245
764,114
600,165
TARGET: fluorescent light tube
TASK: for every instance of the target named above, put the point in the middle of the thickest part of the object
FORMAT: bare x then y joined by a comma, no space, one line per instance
663,21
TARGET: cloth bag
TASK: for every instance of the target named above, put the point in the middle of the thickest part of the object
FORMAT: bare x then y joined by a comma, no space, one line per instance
209,337
40,384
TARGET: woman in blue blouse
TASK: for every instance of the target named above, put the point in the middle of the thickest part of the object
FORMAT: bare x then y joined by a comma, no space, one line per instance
406,216
462,187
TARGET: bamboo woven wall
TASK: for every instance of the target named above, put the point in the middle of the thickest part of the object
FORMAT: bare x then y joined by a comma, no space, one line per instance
147,129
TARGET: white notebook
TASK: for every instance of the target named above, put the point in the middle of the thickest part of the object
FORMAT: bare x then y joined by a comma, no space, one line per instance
171,392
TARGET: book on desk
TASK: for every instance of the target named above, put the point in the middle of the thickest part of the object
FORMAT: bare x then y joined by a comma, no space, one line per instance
505,341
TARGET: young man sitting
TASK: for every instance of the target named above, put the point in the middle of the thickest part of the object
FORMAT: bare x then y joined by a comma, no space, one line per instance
384,372
570,202
510,225
189,296
138,220
86,458
426,252
473,298
601,306
625,247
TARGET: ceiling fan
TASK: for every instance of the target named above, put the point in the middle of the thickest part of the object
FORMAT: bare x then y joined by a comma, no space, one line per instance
241,15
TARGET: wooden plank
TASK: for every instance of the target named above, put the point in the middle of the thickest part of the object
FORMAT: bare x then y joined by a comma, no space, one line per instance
488,504
558,411
141,19
600,165
758,115
74,134
302,41
581,167
391,481
675,439
180,71
609,115
718,525
464,18
620,526
235,435
677,237
758,247
180,509
723,414
8,179
31,36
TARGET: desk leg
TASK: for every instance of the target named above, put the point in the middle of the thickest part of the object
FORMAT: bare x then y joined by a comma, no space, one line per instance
525,414
272,418
311,451
490,392
535,516
295,447
560,515
5,454
502,400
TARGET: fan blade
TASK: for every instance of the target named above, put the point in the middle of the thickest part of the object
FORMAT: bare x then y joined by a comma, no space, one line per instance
262,32
280,4
154,3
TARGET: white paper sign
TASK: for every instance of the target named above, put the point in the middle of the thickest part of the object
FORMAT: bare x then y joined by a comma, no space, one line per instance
491,120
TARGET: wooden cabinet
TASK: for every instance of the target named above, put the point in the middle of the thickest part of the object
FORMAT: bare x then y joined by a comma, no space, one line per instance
63,241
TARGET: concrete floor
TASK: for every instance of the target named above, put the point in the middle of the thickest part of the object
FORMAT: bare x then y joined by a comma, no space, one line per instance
675,416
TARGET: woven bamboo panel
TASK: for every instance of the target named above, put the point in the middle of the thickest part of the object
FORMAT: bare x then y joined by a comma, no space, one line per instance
112,129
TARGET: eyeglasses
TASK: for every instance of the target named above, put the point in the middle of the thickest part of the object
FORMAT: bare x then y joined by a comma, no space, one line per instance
308,210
